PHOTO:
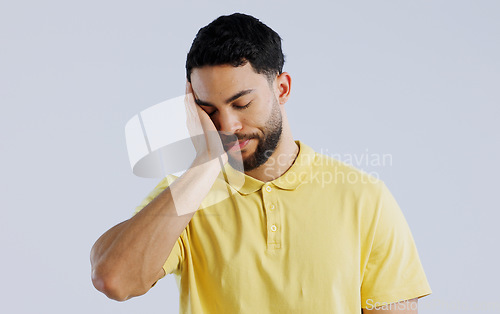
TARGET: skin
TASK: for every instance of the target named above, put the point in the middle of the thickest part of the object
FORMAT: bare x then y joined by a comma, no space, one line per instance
128,258
214,85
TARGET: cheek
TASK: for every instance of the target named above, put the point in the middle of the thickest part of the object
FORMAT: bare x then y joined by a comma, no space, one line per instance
259,115
252,121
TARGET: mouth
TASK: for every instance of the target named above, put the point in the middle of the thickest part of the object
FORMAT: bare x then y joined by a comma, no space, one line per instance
236,145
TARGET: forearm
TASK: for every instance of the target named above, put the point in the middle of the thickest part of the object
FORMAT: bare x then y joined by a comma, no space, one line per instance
128,259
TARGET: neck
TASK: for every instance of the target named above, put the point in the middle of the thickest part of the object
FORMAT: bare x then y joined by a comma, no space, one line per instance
280,161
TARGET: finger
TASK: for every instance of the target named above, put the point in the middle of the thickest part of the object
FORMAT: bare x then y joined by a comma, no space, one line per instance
189,103
202,116
189,88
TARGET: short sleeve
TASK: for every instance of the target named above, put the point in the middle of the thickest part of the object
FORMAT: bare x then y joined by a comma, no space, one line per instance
174,260
393,272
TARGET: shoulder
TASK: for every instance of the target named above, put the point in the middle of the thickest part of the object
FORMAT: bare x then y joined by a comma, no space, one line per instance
343,176
160,187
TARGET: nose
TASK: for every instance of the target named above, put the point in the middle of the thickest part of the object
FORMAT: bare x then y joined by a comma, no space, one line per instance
229,122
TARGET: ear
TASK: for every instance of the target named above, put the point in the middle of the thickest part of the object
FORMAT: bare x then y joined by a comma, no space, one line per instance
283,85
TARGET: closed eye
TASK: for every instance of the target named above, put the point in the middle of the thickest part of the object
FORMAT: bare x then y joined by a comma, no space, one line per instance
236,107
242,107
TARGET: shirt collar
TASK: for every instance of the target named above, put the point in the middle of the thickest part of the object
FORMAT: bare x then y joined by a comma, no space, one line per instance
298,173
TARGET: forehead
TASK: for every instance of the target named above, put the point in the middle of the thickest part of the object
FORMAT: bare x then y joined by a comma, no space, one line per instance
214,83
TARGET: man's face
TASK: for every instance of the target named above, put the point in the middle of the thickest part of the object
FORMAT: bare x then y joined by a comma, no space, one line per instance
243,107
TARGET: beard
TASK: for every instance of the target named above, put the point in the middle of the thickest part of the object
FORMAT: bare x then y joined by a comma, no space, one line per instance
267,142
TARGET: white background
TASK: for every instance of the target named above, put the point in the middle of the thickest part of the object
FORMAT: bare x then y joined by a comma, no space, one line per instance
415,79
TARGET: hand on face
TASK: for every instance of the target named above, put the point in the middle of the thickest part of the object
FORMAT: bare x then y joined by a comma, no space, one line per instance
204,134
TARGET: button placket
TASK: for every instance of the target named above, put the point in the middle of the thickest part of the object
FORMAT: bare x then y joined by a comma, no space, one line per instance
273,217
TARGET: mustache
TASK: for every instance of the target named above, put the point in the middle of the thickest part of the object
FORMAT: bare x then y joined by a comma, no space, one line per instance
228,139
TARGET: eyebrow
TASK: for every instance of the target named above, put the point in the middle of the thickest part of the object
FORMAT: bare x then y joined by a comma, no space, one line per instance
229,100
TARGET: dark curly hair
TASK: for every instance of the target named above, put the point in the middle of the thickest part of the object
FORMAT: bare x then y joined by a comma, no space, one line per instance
237,39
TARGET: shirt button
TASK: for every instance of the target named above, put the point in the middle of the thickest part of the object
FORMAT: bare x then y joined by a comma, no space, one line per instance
268,188
271,207
273,228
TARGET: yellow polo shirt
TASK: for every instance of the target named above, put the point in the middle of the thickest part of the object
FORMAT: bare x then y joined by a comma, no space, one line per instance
322,238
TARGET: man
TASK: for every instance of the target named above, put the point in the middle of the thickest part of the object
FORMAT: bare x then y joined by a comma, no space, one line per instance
304,233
